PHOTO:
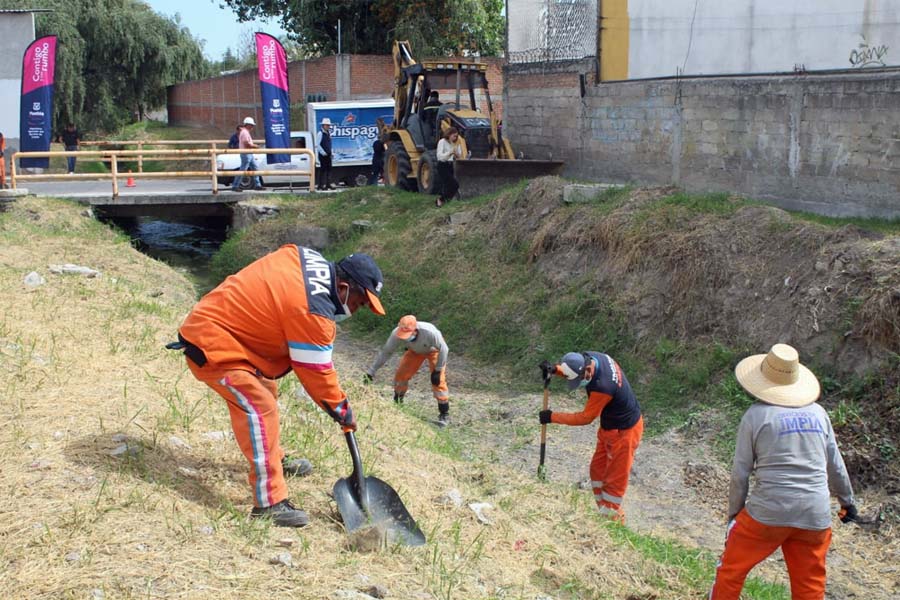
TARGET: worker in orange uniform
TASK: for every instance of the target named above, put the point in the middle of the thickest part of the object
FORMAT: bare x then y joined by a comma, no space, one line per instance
422,341
275,315
609,396
787,441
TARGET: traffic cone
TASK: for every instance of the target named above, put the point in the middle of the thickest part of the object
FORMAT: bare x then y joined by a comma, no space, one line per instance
130,181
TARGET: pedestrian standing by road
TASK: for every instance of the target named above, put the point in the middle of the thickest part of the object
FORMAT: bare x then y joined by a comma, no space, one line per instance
786,440
70,139
2,162
235,139
323,149
448,150
609,396
248,161
276,315
422,341
377,161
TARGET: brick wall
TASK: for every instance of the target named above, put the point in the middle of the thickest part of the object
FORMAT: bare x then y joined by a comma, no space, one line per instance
823,143
224,101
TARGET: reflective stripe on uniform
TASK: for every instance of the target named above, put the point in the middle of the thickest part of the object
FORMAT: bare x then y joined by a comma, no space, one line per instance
596,484
442,396
607,511
258,443
610,498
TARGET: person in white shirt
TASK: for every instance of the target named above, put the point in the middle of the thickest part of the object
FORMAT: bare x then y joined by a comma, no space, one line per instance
448,150
323,149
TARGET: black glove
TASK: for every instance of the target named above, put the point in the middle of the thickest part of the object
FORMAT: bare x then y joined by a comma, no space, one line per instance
848,513
547,369
544,416
367,379
435,378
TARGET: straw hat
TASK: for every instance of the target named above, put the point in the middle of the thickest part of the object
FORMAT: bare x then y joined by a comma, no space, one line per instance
778,378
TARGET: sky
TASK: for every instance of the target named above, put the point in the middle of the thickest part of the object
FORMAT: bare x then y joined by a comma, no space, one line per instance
218,27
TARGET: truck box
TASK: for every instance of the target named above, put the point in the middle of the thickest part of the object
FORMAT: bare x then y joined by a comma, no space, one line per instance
353,131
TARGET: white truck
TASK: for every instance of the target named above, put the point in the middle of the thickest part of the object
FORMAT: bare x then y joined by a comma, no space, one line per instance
232,162
354,129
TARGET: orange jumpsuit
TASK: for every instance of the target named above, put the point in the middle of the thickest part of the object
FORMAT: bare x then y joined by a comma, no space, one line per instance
621,428
274,316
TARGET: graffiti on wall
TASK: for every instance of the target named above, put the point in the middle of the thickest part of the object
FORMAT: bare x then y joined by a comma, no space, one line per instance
868,56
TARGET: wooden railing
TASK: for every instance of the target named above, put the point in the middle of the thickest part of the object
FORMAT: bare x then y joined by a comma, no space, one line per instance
114,156
141,144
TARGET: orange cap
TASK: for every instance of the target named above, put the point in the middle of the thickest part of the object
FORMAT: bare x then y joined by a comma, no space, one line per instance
406,327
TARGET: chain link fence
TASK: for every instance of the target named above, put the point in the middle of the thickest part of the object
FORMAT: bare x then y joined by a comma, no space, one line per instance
552,30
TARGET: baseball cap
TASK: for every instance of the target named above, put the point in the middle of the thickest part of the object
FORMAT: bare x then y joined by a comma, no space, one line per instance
361,268
406,327
572,366
249,121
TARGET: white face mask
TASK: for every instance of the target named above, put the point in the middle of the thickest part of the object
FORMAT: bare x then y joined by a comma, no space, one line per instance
347,314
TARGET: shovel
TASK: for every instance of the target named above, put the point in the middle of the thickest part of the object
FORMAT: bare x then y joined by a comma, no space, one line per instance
542,470
370,502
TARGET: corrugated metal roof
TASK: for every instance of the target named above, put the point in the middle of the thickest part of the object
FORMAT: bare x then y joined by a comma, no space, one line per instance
25,10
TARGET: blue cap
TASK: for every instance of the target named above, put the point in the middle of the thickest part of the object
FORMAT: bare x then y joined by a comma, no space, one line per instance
572,366
361,268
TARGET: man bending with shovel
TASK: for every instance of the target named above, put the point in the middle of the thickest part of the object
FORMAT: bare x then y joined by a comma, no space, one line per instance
423,341
276,315
609,396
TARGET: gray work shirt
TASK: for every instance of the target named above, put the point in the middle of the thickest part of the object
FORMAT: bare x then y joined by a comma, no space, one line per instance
796,460
428,340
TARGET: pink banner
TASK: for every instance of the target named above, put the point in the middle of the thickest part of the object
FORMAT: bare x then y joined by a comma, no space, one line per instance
271,61
39,64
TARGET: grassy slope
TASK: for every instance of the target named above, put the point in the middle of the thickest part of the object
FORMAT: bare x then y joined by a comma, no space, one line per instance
83,363
498,309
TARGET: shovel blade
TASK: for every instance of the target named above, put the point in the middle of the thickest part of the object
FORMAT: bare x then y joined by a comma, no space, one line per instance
385,510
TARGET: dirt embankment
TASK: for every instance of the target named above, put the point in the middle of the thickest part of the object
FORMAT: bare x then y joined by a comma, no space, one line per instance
737,273
727,271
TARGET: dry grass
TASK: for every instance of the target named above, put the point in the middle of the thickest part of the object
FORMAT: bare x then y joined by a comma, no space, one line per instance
82,362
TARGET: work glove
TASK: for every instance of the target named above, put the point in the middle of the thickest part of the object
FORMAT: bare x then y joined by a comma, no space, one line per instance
367,378
848,513
544,416
547,369
436,377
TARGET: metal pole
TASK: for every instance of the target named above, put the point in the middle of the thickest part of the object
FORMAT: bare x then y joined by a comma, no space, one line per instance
339,36
458,83
140,157
12,170
115,175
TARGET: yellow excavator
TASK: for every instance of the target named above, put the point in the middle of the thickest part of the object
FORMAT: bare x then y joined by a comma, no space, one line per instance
410,161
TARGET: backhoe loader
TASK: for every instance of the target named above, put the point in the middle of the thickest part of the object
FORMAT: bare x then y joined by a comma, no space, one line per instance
411,161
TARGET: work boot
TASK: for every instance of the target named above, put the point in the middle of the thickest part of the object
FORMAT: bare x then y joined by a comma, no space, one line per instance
444,414
398,398
283,514
296,466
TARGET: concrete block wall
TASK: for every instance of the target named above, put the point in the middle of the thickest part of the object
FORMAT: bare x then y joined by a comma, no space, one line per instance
823,143
224,101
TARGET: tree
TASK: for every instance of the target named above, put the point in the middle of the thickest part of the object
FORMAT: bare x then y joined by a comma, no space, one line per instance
115,59
433,27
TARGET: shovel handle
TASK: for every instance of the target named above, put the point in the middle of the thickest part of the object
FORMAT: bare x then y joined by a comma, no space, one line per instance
357,477
542,473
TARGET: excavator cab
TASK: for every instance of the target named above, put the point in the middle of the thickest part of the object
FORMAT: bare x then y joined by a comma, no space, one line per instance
420,122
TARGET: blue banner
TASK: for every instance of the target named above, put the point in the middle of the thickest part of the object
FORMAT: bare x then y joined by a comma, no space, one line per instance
36,101
273,86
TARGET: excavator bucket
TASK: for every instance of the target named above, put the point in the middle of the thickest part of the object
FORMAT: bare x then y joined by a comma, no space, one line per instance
485,175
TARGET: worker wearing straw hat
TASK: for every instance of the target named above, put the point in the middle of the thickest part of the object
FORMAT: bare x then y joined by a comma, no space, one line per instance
787,441
423,341
609,396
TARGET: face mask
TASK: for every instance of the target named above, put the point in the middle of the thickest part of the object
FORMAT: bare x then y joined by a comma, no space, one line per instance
347,314
583,383
412,338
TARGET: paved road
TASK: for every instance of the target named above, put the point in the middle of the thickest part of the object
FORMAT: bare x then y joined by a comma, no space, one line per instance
143,187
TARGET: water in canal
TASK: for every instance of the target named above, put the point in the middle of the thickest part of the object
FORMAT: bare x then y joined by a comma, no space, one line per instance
187,244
